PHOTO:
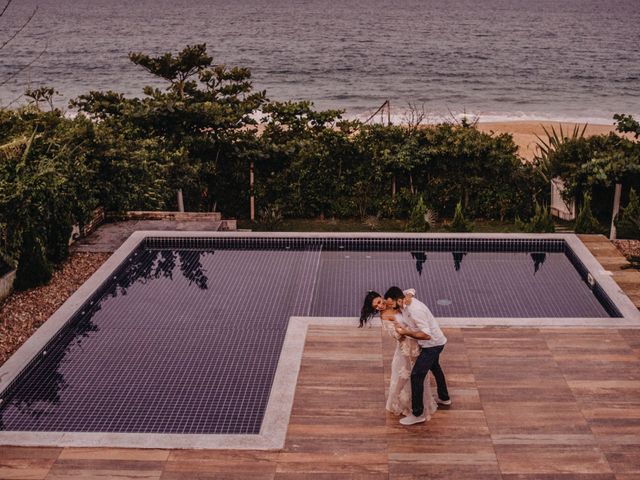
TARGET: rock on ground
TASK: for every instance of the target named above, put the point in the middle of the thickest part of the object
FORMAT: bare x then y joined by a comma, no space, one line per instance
629,248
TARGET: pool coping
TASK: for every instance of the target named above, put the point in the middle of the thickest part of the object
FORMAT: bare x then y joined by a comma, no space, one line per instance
274,427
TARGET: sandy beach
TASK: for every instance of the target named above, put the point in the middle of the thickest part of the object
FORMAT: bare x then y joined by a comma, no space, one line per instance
524,132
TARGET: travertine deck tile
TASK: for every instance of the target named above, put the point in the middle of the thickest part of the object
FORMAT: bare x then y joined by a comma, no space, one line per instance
550,459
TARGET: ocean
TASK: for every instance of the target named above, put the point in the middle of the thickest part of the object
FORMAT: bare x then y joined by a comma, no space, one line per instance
571,60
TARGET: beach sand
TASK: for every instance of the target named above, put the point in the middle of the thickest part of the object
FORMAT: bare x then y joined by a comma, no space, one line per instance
524,132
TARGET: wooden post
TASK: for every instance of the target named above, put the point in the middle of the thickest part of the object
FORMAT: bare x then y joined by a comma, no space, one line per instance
616,209
388,112
180,201
251,193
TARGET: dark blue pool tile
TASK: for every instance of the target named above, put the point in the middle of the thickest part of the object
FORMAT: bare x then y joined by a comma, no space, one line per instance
358,244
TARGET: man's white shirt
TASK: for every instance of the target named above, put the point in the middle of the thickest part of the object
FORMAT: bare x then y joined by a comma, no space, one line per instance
417,316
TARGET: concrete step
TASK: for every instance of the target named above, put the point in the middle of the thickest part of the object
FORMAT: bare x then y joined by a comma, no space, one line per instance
563,229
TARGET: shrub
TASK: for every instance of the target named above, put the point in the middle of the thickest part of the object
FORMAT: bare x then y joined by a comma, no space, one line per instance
459,223
586,222
418,218
628,220
271,217
59,231
372,222
541,222
33,267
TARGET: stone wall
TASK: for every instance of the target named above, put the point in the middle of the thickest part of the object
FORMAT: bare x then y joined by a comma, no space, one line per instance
178,216
6,284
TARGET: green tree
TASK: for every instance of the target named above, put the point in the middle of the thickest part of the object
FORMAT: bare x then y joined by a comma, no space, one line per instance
456,162
628,221
307,160
33,268
459,223
627,124
594,164
197,135
417,220
541,222
585,221
46,185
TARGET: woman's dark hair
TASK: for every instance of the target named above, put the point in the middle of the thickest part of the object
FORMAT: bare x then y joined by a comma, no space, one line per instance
368,311
394,293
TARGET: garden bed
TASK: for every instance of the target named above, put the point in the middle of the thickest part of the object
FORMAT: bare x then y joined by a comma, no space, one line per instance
23,312
629,248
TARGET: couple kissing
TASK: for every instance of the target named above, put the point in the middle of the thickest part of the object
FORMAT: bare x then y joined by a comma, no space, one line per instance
419,342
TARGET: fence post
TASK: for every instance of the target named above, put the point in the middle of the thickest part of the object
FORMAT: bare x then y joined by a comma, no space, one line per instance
616,209
180,201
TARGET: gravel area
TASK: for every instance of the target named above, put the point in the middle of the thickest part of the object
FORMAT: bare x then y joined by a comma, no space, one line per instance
23,312
629,248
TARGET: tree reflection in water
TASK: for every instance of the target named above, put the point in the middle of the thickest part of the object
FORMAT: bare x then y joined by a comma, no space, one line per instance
156,264
191,268
36,402
420,258
457,259
538,259
142,267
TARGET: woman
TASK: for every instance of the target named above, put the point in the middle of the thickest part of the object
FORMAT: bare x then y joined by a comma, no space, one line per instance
407,350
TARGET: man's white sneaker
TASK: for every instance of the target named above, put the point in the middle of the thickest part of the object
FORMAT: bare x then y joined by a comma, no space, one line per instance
443,402
412,419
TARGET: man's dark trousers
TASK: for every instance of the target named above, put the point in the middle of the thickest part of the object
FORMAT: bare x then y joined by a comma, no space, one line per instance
429,359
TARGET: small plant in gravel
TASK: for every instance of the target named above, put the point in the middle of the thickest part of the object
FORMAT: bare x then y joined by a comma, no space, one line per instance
372,223
418,218
586,222
459,223
271,217
541,222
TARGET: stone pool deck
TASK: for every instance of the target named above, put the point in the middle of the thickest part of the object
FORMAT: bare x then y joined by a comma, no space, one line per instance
529,403
109,236
611,259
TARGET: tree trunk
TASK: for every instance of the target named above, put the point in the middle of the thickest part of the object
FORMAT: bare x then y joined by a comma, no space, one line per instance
251,193
393,187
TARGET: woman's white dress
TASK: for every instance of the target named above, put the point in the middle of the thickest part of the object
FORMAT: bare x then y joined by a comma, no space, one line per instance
407,350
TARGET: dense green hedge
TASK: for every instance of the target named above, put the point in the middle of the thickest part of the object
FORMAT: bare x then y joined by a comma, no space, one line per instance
203,132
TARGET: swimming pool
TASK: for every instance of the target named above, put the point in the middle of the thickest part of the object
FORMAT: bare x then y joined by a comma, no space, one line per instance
185,335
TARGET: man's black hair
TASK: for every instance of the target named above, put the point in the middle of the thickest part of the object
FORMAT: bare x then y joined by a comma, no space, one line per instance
394,293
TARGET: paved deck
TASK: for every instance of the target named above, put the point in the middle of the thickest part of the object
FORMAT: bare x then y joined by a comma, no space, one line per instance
529,404
109,236
611,259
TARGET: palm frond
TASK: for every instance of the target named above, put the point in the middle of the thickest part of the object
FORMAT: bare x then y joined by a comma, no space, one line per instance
553,141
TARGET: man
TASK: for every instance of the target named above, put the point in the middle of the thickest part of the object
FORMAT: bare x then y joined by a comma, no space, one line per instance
422,326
